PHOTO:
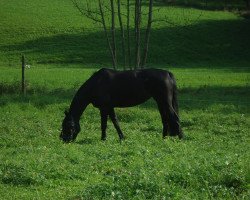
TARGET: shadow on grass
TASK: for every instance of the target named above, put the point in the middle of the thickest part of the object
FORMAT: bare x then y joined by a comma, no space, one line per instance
189,98
208,44
85,141
206,96
203,5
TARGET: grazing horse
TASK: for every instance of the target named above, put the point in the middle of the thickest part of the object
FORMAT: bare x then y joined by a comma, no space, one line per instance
107,89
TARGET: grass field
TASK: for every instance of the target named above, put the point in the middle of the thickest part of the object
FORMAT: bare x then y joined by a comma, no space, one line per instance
208,51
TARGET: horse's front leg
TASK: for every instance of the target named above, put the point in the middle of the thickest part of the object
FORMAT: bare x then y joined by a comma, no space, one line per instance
104,119
115,122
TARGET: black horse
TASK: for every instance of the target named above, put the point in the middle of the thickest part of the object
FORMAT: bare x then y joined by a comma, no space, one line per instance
107,89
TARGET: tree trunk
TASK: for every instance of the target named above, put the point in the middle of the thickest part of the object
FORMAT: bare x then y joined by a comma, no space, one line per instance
145,54
106,34
122,34
113,30
137,32
128,34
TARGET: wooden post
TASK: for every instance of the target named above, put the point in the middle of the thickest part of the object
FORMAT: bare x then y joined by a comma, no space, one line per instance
23,78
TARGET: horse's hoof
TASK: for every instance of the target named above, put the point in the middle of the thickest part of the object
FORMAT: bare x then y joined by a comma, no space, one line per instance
122,137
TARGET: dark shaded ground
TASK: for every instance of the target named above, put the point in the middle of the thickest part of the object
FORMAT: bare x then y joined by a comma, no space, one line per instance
209,44
204,4
204,97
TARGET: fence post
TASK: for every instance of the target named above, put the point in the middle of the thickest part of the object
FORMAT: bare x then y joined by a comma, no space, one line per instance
23,78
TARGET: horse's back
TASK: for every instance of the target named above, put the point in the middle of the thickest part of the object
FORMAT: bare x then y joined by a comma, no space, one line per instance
135,79
149,73
154,73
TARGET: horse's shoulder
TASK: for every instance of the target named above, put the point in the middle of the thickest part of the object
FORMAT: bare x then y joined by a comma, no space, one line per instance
102,75
104,72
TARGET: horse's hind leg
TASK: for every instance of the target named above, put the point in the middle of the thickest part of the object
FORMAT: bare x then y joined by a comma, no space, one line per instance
163,114
169,116
174,122
115,122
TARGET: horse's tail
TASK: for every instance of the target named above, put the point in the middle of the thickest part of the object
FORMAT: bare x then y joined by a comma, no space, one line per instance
177,128
174,100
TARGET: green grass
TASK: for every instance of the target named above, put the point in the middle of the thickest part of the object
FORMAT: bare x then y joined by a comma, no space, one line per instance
211,162
208,51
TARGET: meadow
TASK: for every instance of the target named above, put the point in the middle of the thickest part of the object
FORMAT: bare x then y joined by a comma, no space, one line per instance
208,51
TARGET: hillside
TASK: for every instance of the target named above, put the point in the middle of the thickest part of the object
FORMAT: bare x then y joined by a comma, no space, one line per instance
55,33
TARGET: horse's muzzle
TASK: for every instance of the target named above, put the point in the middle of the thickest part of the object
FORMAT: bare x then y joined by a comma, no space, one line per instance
66,139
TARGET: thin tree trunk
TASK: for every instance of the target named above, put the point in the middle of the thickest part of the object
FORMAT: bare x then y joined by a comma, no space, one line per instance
128,34
136,13
122,34
150,12
113,29
106,34
137,32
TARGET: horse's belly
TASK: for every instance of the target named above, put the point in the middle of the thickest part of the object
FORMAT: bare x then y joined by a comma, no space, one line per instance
129,99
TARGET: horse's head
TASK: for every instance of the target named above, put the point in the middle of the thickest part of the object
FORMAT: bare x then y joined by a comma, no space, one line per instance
70,128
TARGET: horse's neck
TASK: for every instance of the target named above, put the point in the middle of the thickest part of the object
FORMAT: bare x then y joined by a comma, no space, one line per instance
80,102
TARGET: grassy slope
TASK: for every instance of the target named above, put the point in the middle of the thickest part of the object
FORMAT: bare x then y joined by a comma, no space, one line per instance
213,160
199,38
